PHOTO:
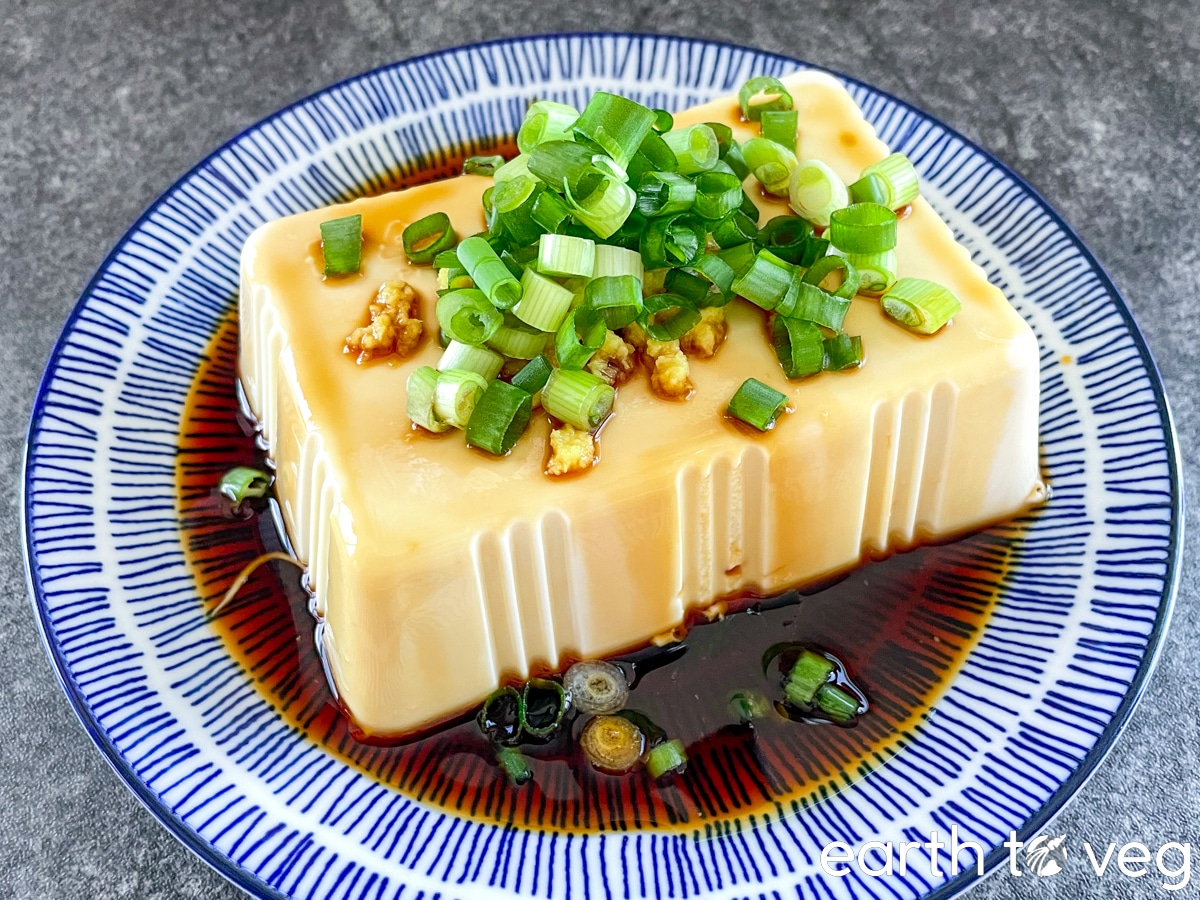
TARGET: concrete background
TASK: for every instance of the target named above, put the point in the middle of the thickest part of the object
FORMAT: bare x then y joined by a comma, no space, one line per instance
103,105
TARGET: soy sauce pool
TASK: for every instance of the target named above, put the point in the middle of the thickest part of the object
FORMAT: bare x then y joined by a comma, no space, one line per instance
902,626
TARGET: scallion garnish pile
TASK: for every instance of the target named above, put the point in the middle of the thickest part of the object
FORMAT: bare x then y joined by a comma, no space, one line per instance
612,218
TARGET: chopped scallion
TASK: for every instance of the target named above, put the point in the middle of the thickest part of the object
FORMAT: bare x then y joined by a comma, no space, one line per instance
669,756
718,194
843,351
780,125
876,271
243,483
837,703
787,237
456,394
341,242
618,298
808,674
672,240
578,398
761,94
543,707
863,228
420,389
532,377
544,303
515,765
425,238
518,165
663,120
482,165
499,418
578,338
827,266
668,317
465,357
467,316
765,281
734,229
757,405
606,208
561,254
809,302
771,163
695,148
919,305
870,188
815,191
546,120
899,176
489,272
664,194
799,345
618,261
616,125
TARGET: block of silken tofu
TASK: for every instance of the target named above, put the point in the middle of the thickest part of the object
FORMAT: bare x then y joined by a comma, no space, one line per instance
439,571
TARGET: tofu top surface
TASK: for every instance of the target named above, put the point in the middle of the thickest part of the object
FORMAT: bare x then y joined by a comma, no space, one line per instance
412,490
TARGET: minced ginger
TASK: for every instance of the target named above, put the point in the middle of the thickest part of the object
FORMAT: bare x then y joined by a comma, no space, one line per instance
670,371
394,326
707,336
571,450
613,361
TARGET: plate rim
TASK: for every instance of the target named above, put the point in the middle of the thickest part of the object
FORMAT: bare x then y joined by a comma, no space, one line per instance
1067,790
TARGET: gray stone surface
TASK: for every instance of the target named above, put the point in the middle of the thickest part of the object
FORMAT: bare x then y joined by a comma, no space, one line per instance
103,105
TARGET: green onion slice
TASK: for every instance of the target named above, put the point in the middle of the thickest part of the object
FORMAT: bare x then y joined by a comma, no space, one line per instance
663,120
618,298
544,303
500,717
762,94
514,202
809,302
467,358
499,418
515,765
669,756
734,229
668,317
447,259
550,212
736,161
720,275
826,266
876,271
243,483
739,257
749,705
809,673
545,121
341,241
799,345
596,687
579,337
425,238
780,126
564,165
420,389
467,316
815,191
612,744
672,241
771,163
618,261
724,135
688,285
532,377
765,281
456,394
787,237
578,398
489,272
664,194
562,254
718,194
543,707
871,188
919,305
616,125
899,176
837,703
843,351
606,208
518,165
863,228
482,165
757,405
696,148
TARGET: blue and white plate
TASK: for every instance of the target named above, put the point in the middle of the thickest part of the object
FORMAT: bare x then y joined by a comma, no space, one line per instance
1040,700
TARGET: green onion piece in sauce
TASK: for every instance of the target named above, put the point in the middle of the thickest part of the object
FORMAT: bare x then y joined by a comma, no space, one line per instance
919,305
667,757
799,345
420,391
467,316
899,176
578,398
810,671
489,272
482,165
515,765
843,351
578,338
243,483
341,243
668,317
757,404
617,125
863,228
761,94
780,126
618,298
425,238
500,417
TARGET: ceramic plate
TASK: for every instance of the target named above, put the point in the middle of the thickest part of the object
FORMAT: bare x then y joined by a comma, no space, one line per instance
1048,681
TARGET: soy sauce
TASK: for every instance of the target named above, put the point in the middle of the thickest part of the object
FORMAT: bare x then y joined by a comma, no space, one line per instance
902,626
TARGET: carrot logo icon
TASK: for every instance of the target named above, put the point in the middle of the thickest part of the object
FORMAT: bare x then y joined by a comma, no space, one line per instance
1046,855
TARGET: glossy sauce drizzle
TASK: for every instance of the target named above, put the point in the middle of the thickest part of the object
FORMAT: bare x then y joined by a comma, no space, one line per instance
902,626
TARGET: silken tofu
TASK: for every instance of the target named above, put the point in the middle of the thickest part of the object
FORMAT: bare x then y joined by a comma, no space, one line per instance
439,571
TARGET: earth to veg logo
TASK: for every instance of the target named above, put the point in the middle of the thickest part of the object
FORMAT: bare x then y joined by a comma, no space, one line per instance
1046,855
1042,857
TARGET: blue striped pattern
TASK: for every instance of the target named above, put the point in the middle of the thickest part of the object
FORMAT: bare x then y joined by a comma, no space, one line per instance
1038,703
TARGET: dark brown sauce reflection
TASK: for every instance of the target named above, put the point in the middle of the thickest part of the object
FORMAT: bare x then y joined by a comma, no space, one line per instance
902,626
